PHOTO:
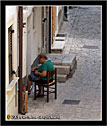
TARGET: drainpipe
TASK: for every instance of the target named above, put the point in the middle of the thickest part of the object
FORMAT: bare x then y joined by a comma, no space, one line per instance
50,29
20,56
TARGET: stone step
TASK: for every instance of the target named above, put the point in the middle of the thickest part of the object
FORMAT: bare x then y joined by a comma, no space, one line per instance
61,60
57,51
58,47
72,70
61,37
57,62
61,78
55,58
62,69
66,61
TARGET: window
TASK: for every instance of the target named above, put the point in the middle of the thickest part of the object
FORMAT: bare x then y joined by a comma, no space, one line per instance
10,31
34,18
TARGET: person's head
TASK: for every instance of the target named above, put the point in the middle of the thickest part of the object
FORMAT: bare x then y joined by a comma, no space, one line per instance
42,57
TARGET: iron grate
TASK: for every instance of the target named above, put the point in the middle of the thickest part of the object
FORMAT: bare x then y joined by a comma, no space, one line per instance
72,102
90,47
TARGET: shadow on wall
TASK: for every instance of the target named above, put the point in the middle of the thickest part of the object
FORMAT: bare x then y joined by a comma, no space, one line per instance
35,63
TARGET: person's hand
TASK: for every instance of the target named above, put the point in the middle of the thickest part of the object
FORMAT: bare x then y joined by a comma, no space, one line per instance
32,69
36,73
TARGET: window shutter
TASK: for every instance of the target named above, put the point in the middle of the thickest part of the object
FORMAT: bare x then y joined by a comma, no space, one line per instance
10,52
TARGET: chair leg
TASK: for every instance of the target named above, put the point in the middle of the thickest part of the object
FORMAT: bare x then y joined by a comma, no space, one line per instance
34,91
47,94
43,90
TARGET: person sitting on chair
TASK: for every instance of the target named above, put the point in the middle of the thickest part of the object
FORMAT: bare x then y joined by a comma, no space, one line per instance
47,66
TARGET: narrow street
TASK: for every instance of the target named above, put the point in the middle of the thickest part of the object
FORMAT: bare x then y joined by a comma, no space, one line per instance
84,39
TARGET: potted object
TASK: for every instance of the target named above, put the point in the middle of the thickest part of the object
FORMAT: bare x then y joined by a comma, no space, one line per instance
23,87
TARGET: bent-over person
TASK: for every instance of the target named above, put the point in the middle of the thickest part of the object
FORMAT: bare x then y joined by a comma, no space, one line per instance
40,75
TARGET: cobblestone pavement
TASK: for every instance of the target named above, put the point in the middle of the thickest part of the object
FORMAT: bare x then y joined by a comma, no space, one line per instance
84,40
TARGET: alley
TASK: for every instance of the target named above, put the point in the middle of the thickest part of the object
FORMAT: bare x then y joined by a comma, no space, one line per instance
84,39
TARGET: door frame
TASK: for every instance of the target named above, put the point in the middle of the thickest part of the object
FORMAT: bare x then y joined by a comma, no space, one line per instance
20,26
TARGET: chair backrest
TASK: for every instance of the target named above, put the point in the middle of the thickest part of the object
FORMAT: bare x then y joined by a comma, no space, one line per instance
52,73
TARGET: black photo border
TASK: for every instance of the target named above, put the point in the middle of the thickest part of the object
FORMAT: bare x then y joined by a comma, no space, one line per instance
103,4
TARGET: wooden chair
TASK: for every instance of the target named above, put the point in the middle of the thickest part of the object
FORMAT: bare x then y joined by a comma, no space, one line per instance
48,86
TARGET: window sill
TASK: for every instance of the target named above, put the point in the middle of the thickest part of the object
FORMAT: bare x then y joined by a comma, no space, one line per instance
12,84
